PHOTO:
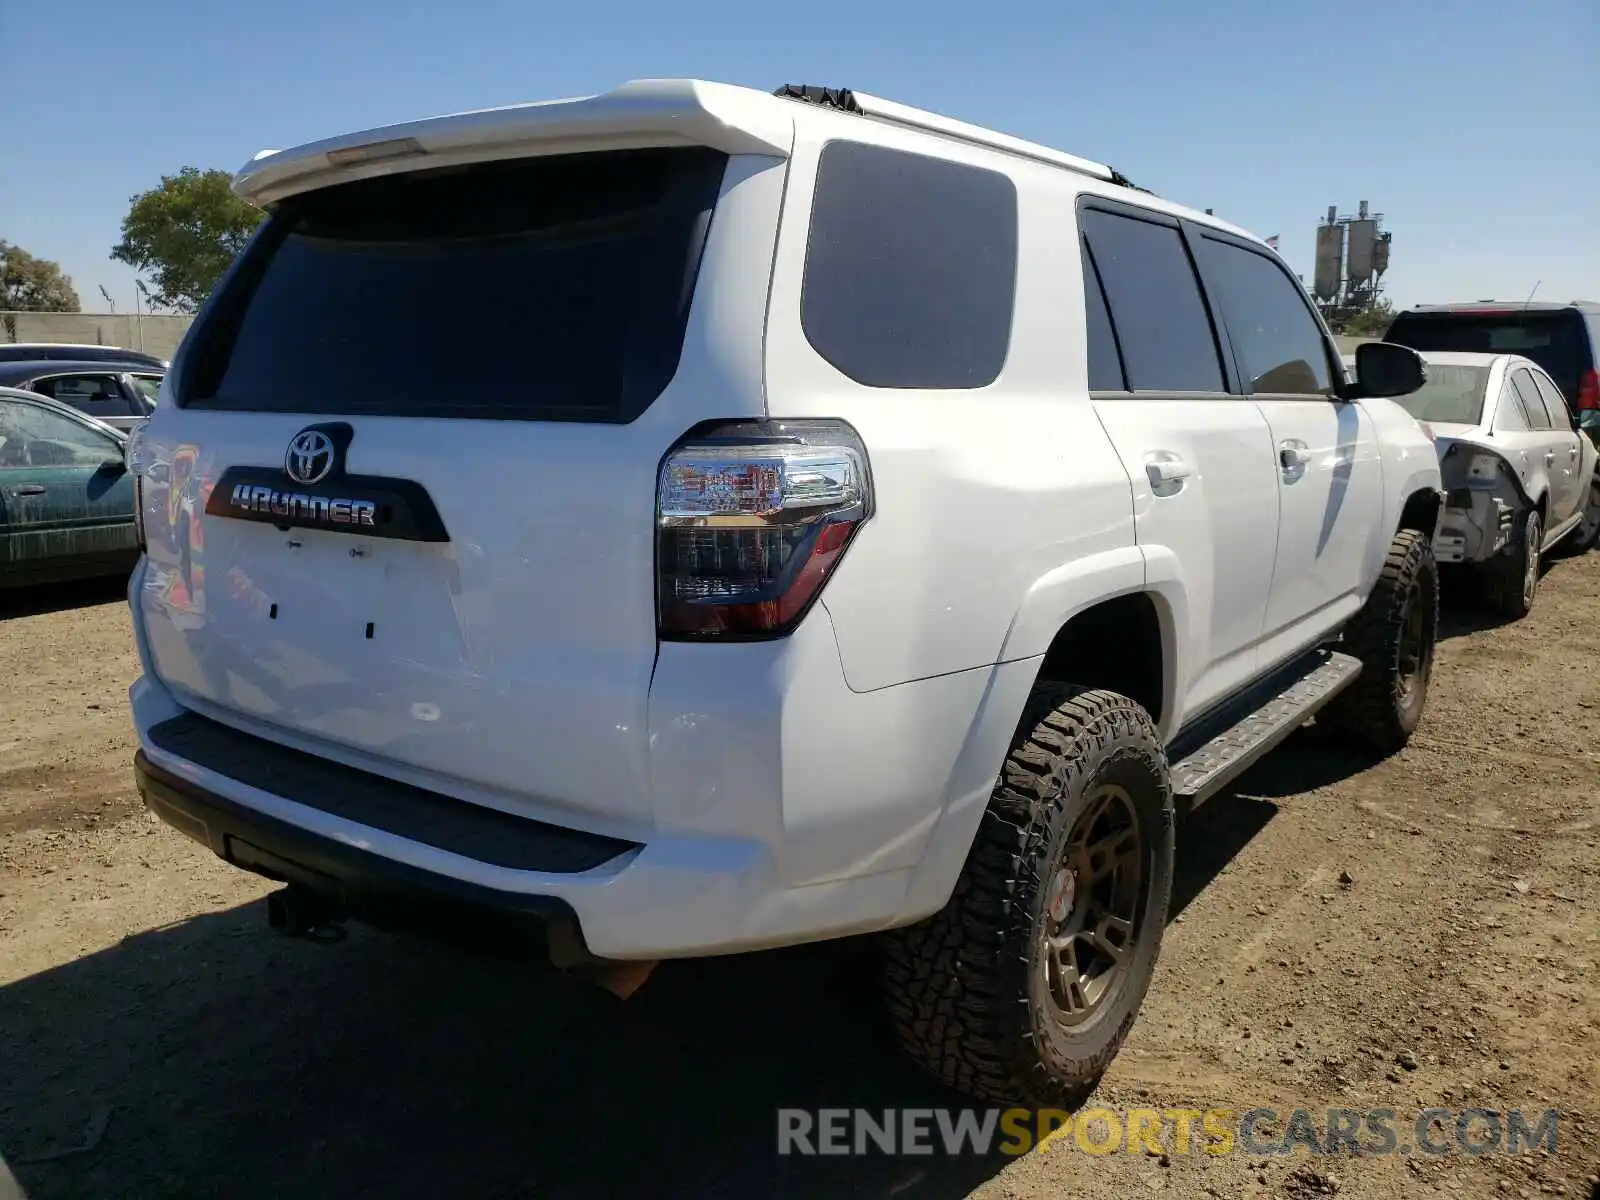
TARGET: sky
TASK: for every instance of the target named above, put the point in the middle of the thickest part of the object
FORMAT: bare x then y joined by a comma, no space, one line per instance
1472,125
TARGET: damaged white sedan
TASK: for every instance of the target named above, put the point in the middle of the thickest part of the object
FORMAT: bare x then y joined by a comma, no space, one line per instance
1519,476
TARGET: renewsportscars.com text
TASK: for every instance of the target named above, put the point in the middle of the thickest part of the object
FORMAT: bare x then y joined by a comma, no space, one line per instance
1216,1131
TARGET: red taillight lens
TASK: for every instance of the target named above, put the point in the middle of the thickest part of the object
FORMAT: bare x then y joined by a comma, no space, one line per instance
751,520
1589,391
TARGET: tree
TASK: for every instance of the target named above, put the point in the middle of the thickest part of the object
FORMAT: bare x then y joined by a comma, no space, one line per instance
29,284
1371,321
185,233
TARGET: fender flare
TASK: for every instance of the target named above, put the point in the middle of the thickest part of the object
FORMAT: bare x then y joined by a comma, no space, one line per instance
1064,591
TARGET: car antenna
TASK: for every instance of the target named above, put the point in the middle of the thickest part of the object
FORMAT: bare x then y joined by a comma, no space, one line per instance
1522,317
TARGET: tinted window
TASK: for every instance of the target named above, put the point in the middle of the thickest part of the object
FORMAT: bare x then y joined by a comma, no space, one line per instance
1454,394
911,268
1557,341
1155,303
1538,418
34,437
411,295
1279,344
1105,367
1560,417
98,395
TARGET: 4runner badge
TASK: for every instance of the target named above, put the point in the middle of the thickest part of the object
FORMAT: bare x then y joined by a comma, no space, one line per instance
321,495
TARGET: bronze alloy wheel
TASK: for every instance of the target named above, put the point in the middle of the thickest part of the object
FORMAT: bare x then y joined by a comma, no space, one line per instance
1089,926
1415,657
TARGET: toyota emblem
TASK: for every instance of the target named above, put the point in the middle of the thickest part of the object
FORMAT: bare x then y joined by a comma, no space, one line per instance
310,456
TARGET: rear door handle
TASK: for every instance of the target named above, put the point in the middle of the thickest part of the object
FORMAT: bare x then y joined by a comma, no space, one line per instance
28,489
1293,454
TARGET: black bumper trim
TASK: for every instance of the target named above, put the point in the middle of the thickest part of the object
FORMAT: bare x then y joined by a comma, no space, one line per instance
472,831
353,882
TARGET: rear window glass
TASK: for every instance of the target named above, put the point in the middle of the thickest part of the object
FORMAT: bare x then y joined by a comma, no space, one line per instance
1453,395
911,268
1554,340
547,288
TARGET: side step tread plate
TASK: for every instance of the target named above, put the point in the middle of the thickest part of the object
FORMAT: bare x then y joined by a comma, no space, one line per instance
1206,769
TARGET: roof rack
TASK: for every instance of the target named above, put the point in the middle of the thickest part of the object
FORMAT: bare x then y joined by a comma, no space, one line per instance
846,100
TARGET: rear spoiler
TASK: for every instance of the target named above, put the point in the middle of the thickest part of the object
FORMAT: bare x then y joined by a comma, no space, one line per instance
649,112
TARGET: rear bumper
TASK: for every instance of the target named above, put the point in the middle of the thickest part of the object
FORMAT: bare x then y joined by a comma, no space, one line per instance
788,809
1474,525
353,881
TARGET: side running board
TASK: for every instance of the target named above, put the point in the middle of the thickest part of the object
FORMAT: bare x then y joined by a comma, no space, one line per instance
1229,744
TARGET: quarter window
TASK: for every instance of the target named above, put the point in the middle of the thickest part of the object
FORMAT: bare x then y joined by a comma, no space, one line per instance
1560,417
1279,345
911,268
1538,417
1155,304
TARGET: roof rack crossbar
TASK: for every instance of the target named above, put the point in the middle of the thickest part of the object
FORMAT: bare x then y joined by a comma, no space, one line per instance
846,100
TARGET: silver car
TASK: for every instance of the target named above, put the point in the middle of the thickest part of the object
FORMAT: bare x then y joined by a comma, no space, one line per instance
120,394
1519,476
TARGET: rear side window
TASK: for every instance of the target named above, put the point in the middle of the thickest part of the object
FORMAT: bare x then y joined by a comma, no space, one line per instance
97,395
1532,404
1560,417
546,288
911,268
1557,341
1279,344
1154,299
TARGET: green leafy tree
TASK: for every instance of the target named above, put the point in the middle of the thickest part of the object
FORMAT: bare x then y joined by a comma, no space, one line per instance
29,284
1372,321
184,234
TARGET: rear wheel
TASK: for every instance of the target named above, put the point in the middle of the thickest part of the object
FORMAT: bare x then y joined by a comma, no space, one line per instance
1511,581
1393,635
1024,986
1584,537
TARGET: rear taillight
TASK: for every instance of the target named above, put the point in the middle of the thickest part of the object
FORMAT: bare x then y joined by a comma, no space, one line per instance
751,519
1589,391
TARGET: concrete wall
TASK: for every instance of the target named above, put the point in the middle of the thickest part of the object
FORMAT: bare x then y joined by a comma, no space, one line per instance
158,335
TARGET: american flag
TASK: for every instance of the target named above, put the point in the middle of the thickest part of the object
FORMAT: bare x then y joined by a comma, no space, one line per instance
1273,241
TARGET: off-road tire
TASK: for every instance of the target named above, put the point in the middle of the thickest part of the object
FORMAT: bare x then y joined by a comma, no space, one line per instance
1506,578
1382,708
965,987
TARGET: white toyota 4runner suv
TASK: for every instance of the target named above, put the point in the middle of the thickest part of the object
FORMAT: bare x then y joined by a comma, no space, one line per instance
687,520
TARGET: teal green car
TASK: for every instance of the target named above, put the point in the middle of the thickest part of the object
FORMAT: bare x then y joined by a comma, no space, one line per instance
66,498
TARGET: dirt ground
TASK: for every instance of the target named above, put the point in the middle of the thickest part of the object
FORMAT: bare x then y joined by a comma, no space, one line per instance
1419,932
